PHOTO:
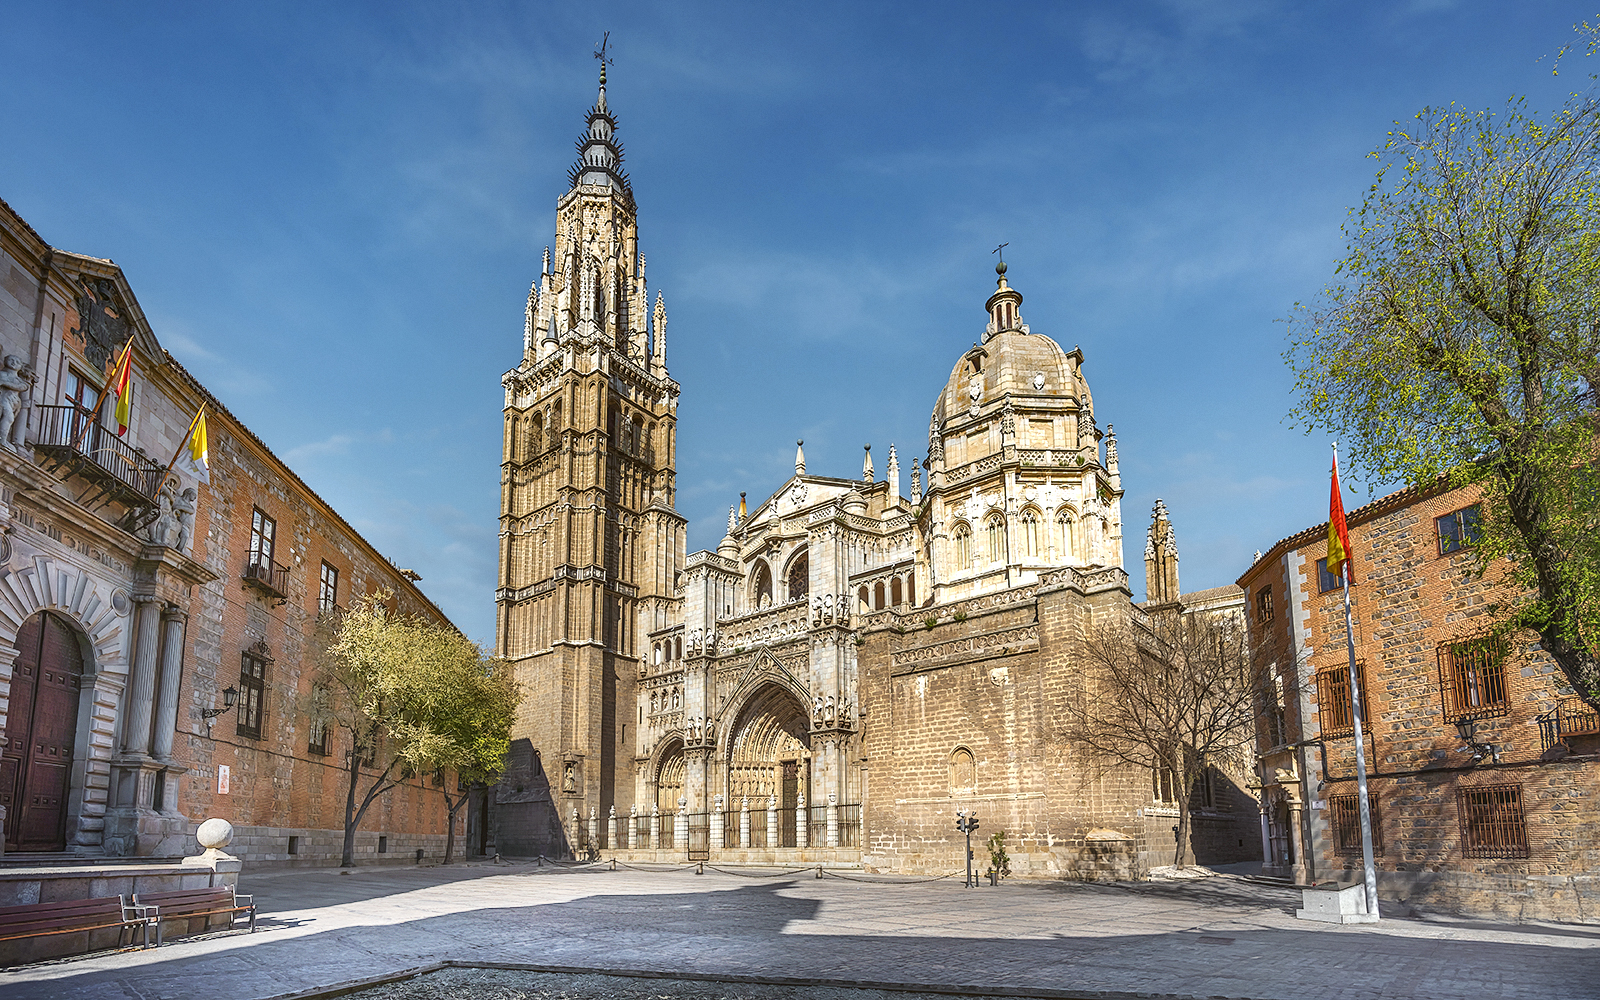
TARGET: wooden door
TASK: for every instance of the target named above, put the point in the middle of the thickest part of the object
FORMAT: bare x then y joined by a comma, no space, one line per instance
36,765
788,797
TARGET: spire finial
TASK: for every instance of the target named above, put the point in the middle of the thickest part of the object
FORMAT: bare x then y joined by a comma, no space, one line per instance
1000,268
800,457
600,54
866,464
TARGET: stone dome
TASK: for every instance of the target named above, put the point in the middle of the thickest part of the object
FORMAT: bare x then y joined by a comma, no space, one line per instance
1010,363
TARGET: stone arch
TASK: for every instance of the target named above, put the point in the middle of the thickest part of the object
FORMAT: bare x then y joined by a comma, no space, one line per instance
667,773
1028,527
49,586
39,758
963,771
961,544
994,527
770,726
760,585
864,604
897,594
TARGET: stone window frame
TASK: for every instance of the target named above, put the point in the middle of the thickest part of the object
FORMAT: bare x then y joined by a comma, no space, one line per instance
963,756
1457,530
994,531
1344,823
961,545
1333,700
1493,823
1028,521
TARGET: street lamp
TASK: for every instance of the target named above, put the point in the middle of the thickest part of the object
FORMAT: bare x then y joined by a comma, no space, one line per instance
230,697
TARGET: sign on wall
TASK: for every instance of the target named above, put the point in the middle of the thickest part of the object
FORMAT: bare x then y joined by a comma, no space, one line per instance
222,779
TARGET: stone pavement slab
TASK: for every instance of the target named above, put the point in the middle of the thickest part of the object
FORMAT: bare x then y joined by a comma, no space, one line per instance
1216,937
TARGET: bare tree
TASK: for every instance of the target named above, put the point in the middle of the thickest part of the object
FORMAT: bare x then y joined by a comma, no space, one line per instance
1169,691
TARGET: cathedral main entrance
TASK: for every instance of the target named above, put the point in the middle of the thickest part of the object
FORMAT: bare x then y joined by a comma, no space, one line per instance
36,762
769,757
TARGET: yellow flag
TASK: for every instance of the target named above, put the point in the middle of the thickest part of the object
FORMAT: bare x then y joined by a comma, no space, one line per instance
199,447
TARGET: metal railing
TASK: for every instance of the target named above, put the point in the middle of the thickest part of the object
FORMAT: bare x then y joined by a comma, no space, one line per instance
260,570
66,433
702,834
1570,717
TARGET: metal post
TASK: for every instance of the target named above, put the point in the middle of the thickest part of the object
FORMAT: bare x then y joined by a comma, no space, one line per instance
1371,873
967,822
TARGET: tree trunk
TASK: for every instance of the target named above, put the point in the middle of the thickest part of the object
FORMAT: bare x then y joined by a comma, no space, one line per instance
348,860
450,825
1181,853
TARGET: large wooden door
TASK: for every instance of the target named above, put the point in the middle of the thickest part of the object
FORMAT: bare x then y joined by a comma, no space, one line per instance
36,764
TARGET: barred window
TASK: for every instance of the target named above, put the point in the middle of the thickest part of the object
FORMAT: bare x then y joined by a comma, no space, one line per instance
1472,678
1344,812
1457,530
1492,824
1333,699
252,692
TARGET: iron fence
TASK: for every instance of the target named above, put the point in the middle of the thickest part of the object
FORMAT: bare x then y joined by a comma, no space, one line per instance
1570,717
66,432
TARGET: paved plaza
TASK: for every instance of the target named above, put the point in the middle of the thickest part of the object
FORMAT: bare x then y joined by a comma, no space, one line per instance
1216,937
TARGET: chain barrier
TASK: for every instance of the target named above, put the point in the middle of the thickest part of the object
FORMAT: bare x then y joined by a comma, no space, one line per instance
700,867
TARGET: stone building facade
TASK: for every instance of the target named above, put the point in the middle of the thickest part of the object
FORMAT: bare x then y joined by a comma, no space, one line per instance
1483,767
851,664
132,596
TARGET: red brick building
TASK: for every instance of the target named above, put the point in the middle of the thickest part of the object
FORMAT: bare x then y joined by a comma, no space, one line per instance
1483,767
131,599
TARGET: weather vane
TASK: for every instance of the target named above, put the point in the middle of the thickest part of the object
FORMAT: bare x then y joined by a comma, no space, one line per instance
1001,251
600,53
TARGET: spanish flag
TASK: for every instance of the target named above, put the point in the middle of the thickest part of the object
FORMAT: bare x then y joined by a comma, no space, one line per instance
119,386
1338,535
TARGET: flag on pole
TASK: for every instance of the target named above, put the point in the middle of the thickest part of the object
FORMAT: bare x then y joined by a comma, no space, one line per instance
1338,534
120,388
199,447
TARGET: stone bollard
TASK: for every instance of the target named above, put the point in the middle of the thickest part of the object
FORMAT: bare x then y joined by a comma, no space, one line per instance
833,819
773,843
802,828
744,823
655,827
633,827
594,828
716,823
611,830
680,826
576,832
214,835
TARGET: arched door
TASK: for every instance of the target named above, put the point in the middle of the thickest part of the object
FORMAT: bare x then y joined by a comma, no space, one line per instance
36,763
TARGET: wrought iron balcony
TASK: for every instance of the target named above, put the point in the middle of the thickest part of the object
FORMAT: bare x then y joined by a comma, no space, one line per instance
1570,717
92,451
267,575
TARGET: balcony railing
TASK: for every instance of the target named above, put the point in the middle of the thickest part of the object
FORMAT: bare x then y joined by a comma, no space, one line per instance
1570,717
267,575
92,451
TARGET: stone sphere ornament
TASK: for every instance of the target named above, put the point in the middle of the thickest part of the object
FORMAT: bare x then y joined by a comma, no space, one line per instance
214,834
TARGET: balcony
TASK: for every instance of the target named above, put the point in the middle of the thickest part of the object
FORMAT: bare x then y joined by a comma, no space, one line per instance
1570,717
268,576
95,453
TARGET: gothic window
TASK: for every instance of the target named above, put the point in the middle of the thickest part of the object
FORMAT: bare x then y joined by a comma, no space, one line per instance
962,537
677,648
1067,532
897,594
862,597
799,576
877,596
996,530
761,588
535,436
1030,534
963,771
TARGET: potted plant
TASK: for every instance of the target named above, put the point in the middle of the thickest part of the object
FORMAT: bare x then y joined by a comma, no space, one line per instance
999,860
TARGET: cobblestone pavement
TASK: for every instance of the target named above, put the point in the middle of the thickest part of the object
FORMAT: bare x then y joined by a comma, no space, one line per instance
1218,937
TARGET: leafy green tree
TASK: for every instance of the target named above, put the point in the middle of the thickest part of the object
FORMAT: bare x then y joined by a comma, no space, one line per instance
1460,340
411,697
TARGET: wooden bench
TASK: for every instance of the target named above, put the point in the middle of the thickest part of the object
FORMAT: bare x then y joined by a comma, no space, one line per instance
185,904
76,916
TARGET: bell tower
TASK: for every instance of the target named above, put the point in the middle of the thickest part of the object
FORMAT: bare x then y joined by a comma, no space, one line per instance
590,542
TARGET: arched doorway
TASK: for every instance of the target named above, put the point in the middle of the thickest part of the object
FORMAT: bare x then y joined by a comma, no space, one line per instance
669,780
36,762
769,755
799,576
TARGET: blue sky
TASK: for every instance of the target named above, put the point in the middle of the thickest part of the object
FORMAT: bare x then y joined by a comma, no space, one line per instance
331,214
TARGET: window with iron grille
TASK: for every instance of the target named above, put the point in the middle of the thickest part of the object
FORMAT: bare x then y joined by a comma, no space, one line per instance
1472,678
1327,581
252,693
328,592
1344,812
1333,699
1457,530
1264,606
1492,824
262,530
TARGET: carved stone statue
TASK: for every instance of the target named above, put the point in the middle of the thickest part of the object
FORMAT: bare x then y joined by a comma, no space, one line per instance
183,507
827,711
16,381
816,709
165,526
569,783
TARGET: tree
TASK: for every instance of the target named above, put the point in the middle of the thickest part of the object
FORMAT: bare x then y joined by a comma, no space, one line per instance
412,697
1459,342
1166,692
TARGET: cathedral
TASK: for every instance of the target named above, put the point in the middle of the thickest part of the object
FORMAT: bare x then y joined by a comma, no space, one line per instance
853,665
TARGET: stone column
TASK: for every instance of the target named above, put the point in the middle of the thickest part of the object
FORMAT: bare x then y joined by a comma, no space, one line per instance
166,718
594,828
1297,840
140,704
611,830
655,828
680,826
773,842
716,823
802,826
744,823
633,827
833,820
575,832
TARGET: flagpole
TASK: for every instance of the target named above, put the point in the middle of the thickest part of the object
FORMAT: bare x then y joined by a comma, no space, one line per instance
1370,872
187,435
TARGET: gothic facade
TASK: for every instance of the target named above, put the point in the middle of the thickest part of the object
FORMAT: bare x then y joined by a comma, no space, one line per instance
852,663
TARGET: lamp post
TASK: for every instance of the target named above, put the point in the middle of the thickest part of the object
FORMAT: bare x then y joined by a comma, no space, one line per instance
230,697
967,822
